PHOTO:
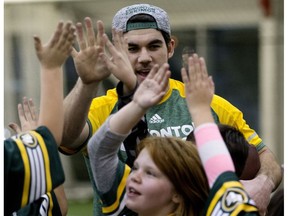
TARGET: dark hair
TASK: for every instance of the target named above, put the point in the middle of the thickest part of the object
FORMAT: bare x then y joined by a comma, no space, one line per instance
149,18
236,143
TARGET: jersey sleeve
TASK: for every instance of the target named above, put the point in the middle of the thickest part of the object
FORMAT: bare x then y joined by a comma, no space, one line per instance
228,197
228,114
47,204
32,168
113,201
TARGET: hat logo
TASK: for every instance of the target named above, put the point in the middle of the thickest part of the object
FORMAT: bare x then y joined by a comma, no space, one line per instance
139,9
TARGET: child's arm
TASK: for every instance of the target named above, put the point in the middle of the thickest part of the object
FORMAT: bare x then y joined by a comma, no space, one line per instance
199,89
51,57
104,144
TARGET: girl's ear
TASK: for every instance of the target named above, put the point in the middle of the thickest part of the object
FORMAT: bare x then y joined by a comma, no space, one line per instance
176,198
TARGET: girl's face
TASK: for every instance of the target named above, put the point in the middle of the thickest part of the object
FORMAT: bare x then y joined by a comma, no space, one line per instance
148,190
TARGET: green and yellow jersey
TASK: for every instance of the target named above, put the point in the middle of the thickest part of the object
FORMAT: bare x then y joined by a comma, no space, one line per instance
228,197
170,117
32,169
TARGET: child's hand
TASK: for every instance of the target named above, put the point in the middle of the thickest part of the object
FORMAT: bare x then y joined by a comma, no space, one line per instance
199,87
28,117
56,51
153,88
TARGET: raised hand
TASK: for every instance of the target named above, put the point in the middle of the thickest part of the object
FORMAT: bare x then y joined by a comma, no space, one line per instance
28,116
199,90
199,87
118,63
55,52
89,66
153,88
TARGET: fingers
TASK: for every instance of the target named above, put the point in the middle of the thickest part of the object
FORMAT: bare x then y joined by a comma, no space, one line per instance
37,43
27,112
74,52
57,34
153,71
90,31
33,110
118,40
80,36
100,33
67,38
203,67
165,80
161,74
196,70
111,48
14,127
184,75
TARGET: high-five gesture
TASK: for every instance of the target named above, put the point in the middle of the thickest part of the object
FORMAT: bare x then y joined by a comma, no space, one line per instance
52,56
149,93
153,88
199,89
119,63
89,66
56,51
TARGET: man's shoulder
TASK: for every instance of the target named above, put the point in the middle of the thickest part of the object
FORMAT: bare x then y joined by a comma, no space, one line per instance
176,83
221,103
109,98
178,86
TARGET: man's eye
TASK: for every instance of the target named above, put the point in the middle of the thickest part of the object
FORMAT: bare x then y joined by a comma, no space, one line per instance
132,49
154,47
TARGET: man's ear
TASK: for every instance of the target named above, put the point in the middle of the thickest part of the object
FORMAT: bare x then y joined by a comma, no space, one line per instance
171,47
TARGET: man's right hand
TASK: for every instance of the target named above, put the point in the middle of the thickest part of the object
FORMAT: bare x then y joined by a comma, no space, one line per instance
89,66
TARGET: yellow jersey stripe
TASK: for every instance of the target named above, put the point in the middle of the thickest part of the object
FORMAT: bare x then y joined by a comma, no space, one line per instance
120,190
26,163
50,208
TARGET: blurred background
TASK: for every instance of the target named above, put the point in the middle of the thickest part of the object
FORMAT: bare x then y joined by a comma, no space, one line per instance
242,42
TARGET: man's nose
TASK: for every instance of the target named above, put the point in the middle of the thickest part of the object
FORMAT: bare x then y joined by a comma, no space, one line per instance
144,56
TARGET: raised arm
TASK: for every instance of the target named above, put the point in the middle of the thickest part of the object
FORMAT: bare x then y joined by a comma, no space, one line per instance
91,71
213,152
104,144
37,146
199,90
51,57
